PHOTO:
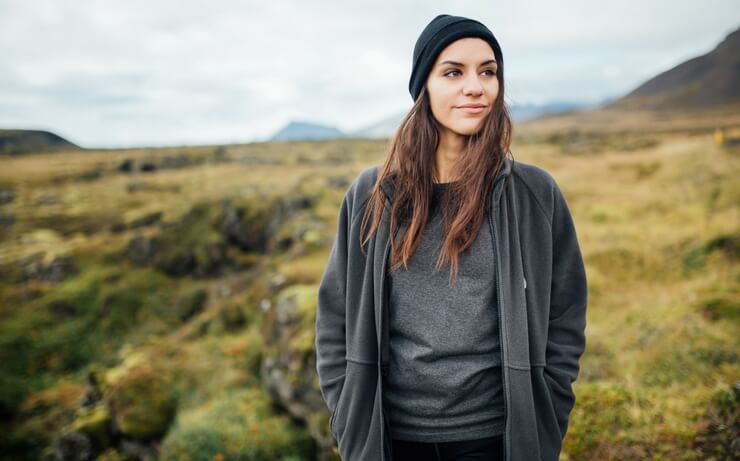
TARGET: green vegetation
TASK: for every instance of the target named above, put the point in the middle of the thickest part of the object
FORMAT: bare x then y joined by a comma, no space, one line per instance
166,297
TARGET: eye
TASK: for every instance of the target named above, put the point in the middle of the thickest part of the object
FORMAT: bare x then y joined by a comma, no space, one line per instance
491,72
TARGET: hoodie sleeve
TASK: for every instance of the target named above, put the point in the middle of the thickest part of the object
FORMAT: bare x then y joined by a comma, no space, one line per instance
568,298
330,313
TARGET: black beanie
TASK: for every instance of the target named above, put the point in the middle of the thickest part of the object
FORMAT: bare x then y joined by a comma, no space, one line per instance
443,30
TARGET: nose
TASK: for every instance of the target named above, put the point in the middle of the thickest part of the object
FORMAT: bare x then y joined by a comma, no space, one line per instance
472,86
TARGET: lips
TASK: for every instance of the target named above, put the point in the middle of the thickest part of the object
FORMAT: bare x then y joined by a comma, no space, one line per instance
472,108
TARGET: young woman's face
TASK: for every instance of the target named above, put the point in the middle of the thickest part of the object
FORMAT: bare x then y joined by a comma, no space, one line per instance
464,73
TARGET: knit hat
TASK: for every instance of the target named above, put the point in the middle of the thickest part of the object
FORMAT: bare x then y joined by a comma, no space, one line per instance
443,30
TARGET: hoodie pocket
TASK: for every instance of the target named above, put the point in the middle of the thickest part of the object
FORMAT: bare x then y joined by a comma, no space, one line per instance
548,429
562,397
337,409
355,416
332,391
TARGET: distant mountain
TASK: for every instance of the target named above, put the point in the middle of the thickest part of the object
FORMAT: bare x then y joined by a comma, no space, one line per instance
16,142
295,131
708,80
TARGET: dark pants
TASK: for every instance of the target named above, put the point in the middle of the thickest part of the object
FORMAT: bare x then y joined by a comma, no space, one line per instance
486,449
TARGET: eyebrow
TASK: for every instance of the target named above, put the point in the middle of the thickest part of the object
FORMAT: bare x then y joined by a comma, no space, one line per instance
454,63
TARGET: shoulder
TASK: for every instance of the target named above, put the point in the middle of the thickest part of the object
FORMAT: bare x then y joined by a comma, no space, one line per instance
365,180
538,183
533,175
361,187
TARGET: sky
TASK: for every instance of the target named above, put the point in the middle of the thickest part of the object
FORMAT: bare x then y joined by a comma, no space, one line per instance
104,73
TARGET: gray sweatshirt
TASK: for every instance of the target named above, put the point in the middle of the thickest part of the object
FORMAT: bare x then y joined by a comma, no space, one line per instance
445,377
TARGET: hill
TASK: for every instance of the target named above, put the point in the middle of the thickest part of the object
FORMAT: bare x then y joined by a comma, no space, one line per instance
702,82
15,142
296,131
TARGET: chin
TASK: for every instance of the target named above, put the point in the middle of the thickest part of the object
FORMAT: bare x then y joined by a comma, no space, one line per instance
468,130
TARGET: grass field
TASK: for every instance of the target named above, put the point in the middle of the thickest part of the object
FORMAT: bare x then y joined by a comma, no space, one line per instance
150,295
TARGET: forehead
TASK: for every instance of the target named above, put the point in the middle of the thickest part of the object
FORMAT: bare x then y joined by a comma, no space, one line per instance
466,49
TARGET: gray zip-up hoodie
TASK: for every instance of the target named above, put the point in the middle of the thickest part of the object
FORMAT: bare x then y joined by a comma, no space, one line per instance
542,296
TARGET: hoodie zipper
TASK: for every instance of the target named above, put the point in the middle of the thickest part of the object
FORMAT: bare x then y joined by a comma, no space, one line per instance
500,325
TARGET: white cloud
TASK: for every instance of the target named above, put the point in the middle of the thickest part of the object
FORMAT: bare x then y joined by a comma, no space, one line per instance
107,73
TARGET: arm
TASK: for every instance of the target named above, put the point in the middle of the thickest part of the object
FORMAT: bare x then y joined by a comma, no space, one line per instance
566,339
330,313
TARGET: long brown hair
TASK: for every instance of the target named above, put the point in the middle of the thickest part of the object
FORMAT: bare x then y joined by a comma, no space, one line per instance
410,164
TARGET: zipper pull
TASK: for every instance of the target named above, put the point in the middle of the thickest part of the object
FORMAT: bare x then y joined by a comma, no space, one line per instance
525,282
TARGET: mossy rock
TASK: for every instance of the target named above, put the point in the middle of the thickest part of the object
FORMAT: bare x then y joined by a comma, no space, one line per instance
239,426
142,401
95,423
246,222
301,233
296,309
200,255
191,246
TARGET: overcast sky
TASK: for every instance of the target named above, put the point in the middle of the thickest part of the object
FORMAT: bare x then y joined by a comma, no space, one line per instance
147,72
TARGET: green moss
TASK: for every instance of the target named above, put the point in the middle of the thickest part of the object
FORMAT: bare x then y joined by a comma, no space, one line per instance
722,307
721,425
94,422
111,454
253,346
725,244
85,319
141,401
589,425
40,414
600,216
190,301
304,297
16,353
191,245
685,362
239,426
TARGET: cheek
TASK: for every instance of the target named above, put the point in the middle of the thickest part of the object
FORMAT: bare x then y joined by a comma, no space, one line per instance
492,88
440,107
442,98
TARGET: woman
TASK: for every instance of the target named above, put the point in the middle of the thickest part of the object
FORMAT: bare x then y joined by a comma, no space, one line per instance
415,362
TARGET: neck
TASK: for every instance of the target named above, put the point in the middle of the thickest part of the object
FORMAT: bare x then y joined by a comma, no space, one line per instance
448,153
